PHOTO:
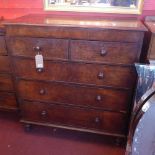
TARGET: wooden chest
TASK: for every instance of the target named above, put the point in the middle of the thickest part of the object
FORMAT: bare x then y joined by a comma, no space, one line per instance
88,77
7,93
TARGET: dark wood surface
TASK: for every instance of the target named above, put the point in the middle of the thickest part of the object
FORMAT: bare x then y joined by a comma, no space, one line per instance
104,52
8,101
2,28
77,117
66,21
151,27
105,98
74,33
88,72
6,82
82,73
52,48
7,92
5,64
3,50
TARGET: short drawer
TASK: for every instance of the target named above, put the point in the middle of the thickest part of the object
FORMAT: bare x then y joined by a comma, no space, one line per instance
111,99
116,76
114,123
103,52
5,64
7,101
6,82
2,46
29,47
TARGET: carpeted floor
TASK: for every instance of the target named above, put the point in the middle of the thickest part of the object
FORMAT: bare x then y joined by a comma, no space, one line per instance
14,140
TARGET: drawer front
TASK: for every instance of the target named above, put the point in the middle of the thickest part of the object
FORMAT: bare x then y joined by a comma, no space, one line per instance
7,101
74,95
2,46
75,117
100,75
6,82
29,47
102,52
5,64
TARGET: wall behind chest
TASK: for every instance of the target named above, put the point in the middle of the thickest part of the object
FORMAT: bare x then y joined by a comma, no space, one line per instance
12,9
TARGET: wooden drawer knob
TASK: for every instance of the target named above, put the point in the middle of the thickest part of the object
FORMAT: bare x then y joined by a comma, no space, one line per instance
97,120
39,70
37,48
103,52
98,97
100,75
42,91
44,113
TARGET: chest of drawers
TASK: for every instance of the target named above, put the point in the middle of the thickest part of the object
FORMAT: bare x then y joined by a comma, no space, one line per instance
88,77
7,93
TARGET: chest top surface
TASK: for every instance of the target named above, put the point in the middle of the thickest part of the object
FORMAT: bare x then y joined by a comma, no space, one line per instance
83,22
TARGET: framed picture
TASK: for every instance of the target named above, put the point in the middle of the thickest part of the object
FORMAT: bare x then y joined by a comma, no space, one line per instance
106,6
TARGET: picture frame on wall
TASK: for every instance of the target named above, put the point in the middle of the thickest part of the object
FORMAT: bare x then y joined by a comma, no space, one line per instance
105,6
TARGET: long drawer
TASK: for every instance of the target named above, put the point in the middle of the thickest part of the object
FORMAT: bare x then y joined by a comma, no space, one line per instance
104,52
2,46
7,101
50,48
6,82
5,64
114,123
109,99
100,75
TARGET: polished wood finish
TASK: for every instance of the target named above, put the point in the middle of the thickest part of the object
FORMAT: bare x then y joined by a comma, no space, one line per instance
74,33
5,65
81,118
105,98
2,28
8,101
51,48
6,82
104,52
7,95
2,46
82,73
151,52
88,76
60,21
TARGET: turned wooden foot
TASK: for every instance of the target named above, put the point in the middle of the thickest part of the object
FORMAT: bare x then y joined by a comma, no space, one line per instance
28,127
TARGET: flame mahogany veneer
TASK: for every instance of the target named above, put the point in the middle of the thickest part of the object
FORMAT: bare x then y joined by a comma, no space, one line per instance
88,77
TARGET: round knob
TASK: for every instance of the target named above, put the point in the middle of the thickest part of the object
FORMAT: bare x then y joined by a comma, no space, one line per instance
103,52
37,48
97,120
100,75
39,70
42,92
44,113
98,98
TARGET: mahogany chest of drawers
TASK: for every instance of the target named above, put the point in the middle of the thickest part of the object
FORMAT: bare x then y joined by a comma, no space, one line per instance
7,93
88,77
